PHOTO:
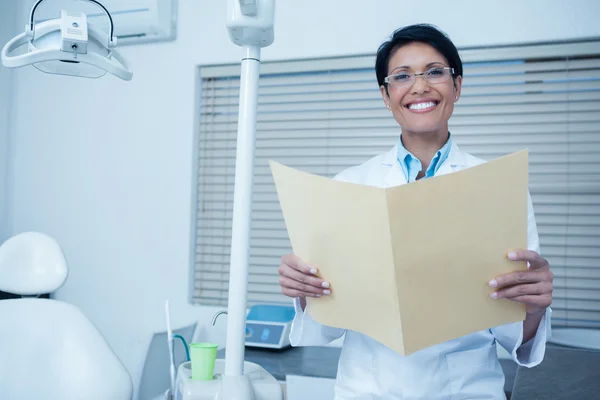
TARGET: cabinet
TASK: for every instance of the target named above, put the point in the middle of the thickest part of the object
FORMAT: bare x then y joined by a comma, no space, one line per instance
304,387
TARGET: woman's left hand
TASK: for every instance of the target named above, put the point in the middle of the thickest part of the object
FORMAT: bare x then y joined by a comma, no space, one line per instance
532,287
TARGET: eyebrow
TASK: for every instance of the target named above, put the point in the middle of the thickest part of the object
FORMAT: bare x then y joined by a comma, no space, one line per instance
427,66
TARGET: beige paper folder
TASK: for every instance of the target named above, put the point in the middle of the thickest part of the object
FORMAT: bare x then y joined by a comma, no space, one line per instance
409,265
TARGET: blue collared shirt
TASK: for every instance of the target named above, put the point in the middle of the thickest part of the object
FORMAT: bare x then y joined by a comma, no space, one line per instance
411,166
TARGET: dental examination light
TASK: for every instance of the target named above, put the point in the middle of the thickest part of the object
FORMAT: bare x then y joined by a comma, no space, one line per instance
68,45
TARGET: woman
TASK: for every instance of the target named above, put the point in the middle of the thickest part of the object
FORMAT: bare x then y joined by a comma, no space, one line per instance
419,72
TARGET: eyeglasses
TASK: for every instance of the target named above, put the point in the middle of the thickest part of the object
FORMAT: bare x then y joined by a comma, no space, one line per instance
432,76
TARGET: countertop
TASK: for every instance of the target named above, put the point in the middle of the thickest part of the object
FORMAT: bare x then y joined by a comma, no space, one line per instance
565,374
567,368
319,362
322,362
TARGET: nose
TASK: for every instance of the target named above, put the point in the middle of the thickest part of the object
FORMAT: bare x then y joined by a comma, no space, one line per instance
420,85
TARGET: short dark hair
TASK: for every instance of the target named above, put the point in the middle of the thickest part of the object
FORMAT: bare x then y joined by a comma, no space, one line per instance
424,33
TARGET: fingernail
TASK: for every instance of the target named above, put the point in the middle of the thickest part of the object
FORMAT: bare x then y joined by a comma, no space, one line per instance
493,283
494,295
512,255
317,295
313,271
326,291
325,284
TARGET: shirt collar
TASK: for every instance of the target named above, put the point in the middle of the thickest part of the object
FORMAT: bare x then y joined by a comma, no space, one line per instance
405,157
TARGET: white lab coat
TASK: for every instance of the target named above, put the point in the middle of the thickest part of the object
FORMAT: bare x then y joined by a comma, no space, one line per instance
463,368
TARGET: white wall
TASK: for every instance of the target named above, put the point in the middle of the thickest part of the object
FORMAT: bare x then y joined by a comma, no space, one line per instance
8,18
105,166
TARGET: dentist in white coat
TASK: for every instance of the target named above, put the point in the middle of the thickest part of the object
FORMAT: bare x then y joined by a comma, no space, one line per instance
419,72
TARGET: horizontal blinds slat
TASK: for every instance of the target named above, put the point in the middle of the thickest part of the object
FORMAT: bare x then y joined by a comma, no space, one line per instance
544,180
297,141
502,85
586,204
527,67
591,316
377,102
499,55
469,71
380,112
578,132
578,152
354,157
459,120
576,305
263,186
522,73
217,298
576,294
479,96
255,243
269,221
573,323
267,288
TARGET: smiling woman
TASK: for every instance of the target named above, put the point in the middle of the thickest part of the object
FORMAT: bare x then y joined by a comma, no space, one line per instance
419,72
420,93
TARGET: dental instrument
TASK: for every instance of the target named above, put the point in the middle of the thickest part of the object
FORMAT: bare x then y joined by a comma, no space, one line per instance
170,345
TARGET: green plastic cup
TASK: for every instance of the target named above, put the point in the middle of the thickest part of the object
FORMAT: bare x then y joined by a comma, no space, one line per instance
203,356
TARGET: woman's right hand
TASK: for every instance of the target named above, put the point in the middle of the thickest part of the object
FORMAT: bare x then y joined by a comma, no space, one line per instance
298,279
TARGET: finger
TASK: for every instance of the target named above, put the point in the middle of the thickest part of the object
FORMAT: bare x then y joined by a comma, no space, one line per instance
296,293
542,301
288,272
533,258
301,288
515,278
531,289
298,264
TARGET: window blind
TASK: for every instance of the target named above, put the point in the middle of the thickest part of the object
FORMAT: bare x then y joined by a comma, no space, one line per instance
322,116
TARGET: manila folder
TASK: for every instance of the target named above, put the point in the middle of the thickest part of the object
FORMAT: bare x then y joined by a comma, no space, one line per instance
409,265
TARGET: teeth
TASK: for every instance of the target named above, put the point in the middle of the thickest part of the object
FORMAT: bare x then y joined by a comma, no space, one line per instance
421,106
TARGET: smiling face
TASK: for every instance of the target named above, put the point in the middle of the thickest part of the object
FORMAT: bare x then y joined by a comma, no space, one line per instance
421,108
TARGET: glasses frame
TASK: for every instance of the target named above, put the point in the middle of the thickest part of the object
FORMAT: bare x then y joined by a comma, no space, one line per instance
414,77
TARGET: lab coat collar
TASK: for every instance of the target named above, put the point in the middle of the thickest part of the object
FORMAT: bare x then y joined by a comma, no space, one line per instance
394,175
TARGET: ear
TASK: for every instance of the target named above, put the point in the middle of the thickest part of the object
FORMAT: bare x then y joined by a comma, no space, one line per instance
457,87
385,96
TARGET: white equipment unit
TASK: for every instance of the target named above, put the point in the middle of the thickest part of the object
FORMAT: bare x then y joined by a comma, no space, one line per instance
268,326
261,384
135,21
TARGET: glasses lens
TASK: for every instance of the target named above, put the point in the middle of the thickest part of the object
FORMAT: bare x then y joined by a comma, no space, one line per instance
436,75
399,79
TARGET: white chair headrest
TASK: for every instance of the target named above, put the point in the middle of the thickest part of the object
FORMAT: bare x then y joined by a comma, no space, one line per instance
31,263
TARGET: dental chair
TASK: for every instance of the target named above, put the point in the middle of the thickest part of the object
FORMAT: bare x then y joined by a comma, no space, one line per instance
49,350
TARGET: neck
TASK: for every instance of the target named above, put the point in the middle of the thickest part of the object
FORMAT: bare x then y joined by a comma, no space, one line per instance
424,145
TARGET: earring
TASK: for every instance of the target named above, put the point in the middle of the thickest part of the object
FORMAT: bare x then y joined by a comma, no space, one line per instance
388,106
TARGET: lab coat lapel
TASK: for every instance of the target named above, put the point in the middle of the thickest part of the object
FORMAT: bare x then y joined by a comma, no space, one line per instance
393,174
456,160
